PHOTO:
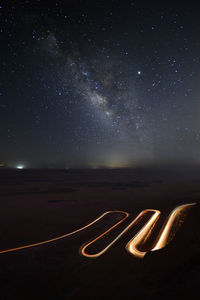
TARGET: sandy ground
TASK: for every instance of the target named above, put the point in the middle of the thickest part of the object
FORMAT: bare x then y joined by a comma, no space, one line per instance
40,204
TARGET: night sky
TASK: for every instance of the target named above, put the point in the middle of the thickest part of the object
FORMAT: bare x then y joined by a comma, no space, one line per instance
99,83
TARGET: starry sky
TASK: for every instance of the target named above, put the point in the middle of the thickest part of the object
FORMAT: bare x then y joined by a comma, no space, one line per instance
99,83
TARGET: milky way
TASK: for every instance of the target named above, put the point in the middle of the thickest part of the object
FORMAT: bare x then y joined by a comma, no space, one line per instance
99,84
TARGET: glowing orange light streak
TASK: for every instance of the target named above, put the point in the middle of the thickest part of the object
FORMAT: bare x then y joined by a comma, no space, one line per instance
140,236
161,243
132,245
83,249
64,235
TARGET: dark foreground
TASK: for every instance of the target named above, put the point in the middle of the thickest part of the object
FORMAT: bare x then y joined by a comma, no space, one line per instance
37,205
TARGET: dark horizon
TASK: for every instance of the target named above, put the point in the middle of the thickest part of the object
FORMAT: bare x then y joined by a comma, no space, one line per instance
191,169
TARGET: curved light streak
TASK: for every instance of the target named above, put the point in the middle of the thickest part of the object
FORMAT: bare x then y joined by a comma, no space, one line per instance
132,245
165,232
145,232
65,235
83,248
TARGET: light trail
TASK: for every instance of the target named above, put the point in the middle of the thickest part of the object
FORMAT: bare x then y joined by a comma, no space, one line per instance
132,245
83,248
67,234
165,232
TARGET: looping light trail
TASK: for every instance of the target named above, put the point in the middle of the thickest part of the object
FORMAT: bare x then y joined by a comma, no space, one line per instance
83,248
67,234
133,245
145,232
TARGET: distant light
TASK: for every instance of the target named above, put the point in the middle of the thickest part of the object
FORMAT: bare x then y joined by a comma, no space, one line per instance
139,72
20,167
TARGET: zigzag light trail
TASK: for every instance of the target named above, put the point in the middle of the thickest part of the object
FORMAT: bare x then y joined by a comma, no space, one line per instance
67,234
132,245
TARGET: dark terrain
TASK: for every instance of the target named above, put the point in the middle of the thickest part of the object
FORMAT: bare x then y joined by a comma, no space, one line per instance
37,205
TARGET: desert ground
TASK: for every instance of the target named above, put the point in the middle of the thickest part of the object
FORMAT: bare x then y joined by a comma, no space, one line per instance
37,205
